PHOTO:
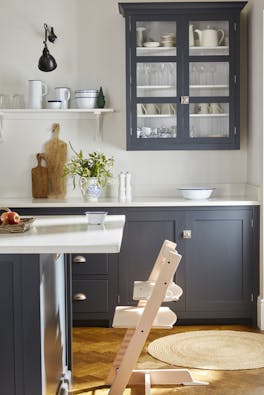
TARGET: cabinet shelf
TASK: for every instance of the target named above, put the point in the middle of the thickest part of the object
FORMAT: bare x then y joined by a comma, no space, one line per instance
156,51
209,86
155,115
208,115
156,86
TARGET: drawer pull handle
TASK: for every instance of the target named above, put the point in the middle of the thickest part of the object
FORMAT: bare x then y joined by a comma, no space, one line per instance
79,259
79,297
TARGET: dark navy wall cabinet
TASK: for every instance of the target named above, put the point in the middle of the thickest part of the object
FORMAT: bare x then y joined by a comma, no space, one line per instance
182,75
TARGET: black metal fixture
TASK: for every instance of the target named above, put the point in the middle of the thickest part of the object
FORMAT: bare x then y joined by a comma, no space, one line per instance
47,61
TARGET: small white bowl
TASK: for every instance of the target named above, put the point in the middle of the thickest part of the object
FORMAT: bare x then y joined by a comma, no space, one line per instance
85,102
196,193
96,217
54,104
86,93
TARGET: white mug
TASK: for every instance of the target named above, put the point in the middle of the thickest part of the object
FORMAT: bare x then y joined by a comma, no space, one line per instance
63,94
36,90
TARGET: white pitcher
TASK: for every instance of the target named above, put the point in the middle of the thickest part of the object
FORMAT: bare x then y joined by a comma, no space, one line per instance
63,94
36,90
209,37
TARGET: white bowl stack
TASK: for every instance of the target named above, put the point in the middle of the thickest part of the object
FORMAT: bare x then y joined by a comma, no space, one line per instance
86,98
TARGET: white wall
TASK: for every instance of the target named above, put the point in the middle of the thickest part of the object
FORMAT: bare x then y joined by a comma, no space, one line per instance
255,134
90,52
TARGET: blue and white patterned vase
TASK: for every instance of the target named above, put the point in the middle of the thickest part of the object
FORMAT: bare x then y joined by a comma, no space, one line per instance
90,188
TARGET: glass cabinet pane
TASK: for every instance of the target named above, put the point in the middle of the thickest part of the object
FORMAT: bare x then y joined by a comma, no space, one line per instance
209,38
156,120
209,120
156,79
154,38
209,78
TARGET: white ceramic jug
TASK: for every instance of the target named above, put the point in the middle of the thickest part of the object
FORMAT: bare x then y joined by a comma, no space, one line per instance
63,94
191,36
36,90
209,37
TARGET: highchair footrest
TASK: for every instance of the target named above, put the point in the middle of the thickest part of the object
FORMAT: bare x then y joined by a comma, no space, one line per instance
129,317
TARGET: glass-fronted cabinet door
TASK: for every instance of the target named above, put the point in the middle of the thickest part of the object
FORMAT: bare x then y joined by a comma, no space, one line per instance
154,84
212,81
183,75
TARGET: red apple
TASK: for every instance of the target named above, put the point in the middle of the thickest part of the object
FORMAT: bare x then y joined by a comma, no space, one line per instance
4,218
13,217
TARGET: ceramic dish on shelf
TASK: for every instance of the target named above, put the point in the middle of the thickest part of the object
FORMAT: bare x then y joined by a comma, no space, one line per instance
151,44
196,193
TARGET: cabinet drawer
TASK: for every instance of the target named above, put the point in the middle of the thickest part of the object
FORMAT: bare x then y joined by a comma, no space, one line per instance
89,264
90,296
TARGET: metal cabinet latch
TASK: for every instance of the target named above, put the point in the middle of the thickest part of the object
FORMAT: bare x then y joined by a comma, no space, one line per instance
184,99
79,297
187,234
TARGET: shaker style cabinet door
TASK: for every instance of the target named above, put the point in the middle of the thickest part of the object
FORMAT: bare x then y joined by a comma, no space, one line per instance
183,80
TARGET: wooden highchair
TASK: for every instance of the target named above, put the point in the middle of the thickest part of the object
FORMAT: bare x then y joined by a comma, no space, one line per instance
140,319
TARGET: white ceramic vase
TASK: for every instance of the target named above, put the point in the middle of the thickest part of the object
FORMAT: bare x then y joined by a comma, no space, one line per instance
90,188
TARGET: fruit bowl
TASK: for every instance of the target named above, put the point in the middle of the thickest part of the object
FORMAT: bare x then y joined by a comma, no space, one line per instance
196,193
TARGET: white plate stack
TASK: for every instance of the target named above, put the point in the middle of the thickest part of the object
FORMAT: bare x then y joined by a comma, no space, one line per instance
86,98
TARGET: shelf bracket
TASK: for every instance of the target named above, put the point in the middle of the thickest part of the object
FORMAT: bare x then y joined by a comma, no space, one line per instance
99,124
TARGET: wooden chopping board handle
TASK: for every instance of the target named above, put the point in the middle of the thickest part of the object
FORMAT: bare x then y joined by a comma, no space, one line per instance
39,175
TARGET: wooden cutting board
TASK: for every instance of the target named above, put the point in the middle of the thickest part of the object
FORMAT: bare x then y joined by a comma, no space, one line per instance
39,176
55,153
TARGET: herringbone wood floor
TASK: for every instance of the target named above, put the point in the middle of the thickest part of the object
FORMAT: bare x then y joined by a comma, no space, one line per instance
94,350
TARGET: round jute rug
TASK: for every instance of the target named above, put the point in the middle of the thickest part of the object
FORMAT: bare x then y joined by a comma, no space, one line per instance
213,349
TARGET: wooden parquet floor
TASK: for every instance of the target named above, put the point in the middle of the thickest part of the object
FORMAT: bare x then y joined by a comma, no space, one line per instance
94,350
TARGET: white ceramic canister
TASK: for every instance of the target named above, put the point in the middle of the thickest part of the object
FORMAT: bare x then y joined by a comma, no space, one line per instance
63,94
36,90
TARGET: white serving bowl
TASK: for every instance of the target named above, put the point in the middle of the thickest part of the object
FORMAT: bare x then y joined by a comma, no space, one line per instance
96,217
85,102
196,193
86,93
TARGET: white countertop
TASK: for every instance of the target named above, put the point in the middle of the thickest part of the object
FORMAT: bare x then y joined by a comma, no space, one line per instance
66,234
136,202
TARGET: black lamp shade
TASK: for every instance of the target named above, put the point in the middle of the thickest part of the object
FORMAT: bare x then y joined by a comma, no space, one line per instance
47,61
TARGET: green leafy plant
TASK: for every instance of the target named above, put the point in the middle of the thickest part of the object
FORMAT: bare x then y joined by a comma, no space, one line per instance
96,164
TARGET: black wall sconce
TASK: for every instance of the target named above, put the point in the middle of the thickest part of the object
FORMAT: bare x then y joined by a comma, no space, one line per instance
47,61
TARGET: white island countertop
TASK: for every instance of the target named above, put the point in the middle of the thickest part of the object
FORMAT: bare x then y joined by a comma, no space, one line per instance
66,234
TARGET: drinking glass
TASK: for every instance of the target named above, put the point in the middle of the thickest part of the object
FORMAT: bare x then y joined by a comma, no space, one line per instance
18,101
4,101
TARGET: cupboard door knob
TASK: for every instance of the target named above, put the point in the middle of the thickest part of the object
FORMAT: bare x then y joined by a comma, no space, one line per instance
79,259
79,297
186,234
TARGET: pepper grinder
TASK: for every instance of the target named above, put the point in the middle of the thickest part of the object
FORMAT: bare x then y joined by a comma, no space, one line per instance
128,187
122,187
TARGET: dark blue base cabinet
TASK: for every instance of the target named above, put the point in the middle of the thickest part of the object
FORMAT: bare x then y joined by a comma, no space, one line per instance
219,267
218,271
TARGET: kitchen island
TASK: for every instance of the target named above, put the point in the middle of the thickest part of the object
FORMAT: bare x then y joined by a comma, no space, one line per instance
35,292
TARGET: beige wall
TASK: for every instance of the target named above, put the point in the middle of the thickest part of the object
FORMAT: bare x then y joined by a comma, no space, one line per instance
90,52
